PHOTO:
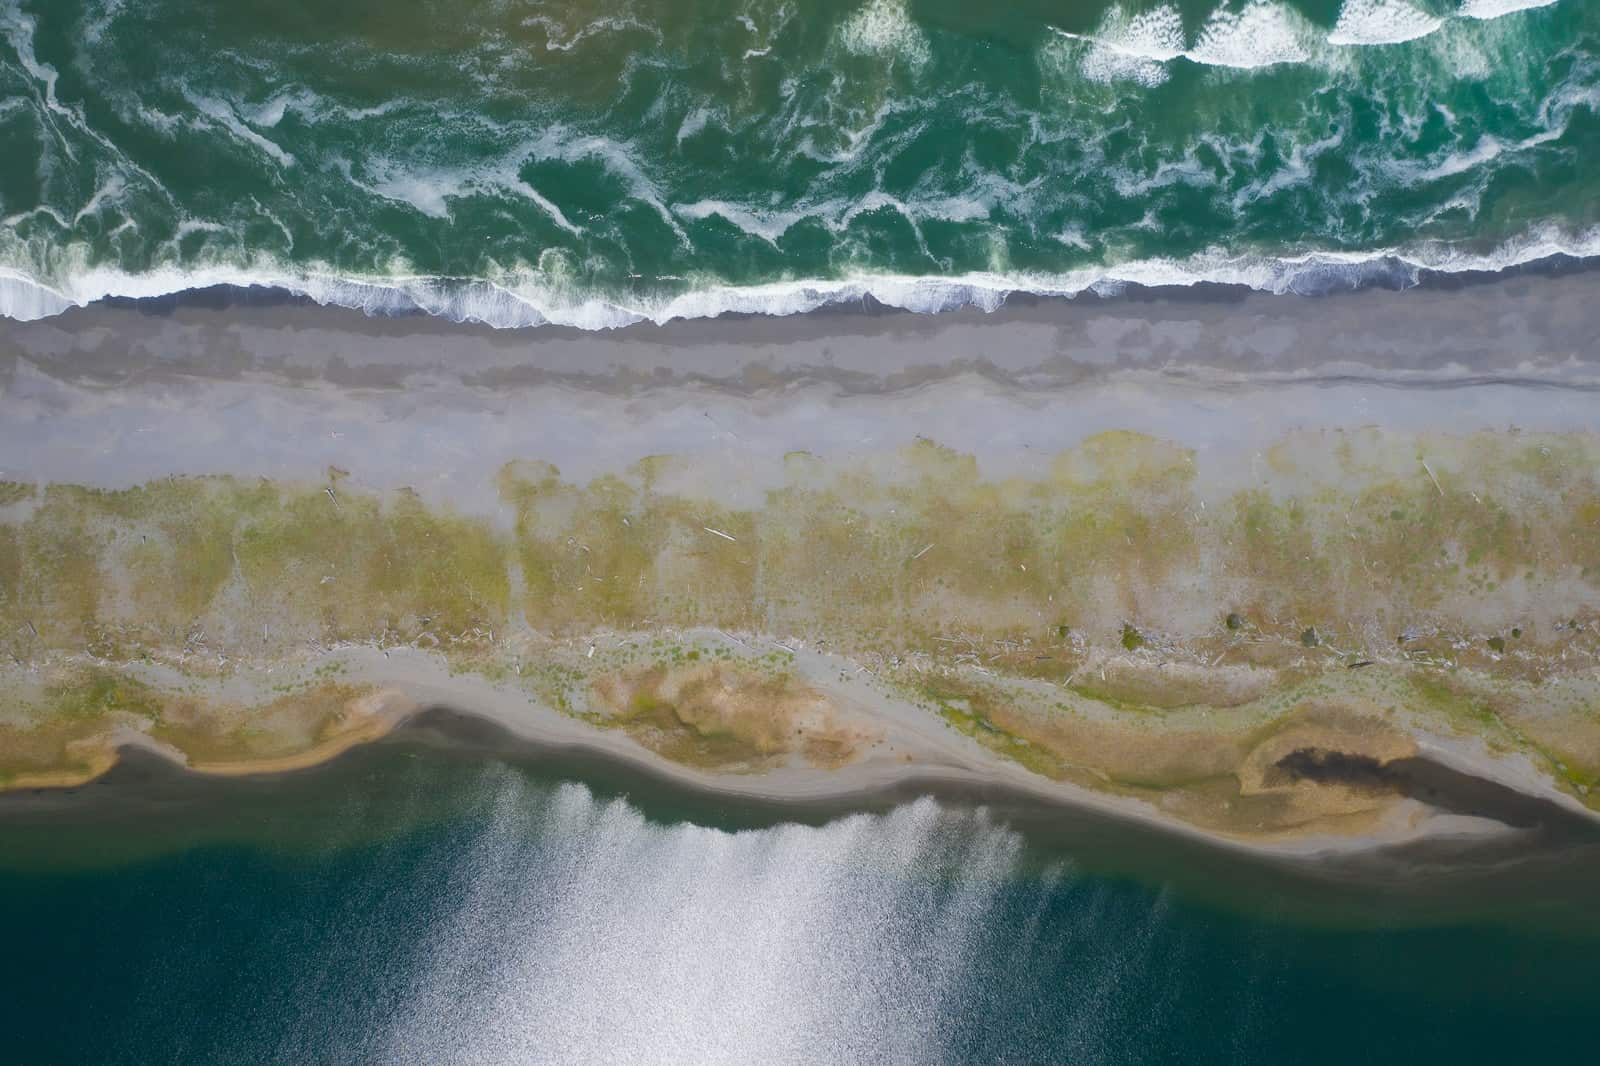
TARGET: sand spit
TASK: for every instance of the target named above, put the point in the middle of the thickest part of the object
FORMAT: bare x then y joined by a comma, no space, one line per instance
1271,571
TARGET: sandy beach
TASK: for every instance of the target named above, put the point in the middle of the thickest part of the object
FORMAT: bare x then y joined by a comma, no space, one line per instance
1178,675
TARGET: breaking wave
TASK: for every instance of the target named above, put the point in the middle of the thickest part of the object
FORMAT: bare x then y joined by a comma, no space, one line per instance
510,303
528,164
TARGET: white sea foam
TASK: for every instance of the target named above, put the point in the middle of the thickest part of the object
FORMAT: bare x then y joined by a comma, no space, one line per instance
98,18
1260,34
1075,237
694,122
424,192
1381,22
42,211
1487,149
982,192
1493,9
559,39
19,29
1154,34
1295,171
429,189
1134,47
768,225
269,114
1141,47
544,297
222,113
1105,64
617,158
884,27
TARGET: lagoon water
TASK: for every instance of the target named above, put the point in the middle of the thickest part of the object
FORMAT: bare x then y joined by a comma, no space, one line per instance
411,906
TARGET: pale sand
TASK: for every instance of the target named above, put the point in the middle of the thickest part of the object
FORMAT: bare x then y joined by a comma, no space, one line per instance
113,397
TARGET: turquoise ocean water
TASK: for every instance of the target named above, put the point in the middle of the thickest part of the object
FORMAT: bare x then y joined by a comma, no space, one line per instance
524,161
413,907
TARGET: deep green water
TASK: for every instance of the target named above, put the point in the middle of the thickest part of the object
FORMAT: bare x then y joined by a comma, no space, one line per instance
414,906
518,161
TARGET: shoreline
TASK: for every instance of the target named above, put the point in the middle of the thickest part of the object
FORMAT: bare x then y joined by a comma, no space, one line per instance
1501,813
508,303
1381,273
1527,327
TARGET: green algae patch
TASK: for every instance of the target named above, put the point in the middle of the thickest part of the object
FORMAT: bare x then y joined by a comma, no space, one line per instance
1436,693
51,754
64,734
158,560
916,552
1060,741
56,584
97,694
1152,689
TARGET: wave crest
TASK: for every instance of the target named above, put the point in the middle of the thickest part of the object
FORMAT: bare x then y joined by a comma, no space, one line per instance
1140,46
1381,22
1493,9
518,301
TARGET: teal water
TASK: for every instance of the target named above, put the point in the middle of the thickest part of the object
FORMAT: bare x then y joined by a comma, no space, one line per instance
416,907
525,161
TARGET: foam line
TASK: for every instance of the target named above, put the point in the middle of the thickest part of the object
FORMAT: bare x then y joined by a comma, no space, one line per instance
525,301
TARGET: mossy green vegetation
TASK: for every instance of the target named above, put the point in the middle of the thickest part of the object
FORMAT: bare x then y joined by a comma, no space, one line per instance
977,711
64,727
15,492
1115,575
1112,542
161,561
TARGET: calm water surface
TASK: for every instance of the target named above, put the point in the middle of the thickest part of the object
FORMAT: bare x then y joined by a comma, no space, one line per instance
416,906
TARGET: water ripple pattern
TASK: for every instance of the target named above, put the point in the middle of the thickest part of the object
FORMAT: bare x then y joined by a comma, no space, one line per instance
584,933
520,162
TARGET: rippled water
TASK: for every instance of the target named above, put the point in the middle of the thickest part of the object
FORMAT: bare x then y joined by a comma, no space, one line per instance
597,937
522,161
413,910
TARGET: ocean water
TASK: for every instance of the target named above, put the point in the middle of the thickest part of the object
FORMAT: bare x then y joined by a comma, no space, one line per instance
528,161
413,908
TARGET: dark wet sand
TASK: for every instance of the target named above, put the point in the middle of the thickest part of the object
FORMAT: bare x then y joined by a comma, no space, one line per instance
1517,328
